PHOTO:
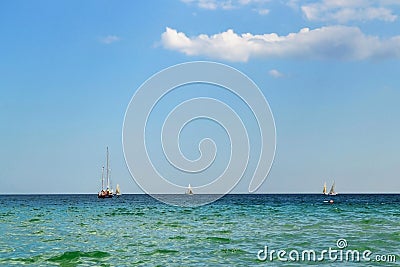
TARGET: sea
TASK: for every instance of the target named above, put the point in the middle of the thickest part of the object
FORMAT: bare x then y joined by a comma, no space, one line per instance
236,230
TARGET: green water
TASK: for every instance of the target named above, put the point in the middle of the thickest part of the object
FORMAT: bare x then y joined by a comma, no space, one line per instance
136,230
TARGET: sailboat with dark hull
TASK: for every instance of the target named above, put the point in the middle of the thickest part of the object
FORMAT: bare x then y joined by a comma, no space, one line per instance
106,192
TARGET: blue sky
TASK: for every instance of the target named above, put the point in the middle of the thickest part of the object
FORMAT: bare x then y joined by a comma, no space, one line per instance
329,70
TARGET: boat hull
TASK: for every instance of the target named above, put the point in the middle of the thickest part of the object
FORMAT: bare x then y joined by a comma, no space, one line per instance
105,195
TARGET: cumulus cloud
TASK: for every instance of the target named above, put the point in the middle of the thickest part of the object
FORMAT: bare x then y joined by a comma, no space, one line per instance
275,73
109,39
331,42
344,11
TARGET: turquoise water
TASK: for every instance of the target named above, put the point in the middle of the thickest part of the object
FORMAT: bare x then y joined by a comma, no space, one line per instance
136,230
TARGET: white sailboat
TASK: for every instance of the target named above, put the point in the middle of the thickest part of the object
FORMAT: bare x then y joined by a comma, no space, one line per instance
332,191
189,190
108,192
324,191
118,191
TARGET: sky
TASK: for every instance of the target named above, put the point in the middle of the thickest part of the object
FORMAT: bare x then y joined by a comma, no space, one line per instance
329,70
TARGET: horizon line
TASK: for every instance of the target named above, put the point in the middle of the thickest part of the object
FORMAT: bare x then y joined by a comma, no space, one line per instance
239,193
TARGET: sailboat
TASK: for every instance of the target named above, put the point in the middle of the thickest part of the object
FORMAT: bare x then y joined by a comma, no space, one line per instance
324,190
331,192
117,191
108,192
189,190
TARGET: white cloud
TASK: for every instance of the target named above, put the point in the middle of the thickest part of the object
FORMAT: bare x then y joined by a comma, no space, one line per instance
205,4
275,73
262,11
332,42
341,11
227,4
344,11
109,39
294,4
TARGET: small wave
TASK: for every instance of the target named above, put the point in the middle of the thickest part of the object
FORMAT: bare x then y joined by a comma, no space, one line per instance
187,211
217,239
124,213
39,232
6,214
74,256
164,251
21,261
371,221
52,240
178,237
173,225
122,210
226,231
34,220
235,251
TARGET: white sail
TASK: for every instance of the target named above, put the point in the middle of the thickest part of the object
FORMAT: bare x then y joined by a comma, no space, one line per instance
332,191
189,190
117,190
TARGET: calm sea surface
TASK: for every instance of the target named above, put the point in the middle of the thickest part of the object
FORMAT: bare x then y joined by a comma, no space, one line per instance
136,230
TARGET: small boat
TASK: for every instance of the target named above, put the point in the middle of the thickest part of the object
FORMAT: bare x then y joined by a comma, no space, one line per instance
189,190
332,191
324,191
117,191
108,192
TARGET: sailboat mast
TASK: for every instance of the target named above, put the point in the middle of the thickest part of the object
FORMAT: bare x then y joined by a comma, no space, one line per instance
108,179
102,178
